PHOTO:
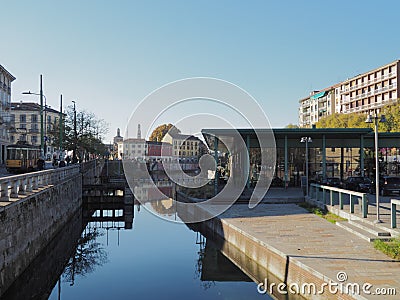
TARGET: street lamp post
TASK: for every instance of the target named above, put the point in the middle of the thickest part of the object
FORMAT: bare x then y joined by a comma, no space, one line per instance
306,139
374,119
61,131
74,160
42,150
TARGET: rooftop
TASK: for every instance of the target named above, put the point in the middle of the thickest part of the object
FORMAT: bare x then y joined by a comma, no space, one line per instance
30,106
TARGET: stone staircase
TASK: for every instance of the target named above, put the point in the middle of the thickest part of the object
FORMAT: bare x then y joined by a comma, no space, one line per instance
365,230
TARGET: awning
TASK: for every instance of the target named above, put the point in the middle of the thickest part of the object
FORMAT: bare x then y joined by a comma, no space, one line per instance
318,95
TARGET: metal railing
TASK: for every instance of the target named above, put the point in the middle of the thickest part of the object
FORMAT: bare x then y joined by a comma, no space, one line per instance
25,184
317,189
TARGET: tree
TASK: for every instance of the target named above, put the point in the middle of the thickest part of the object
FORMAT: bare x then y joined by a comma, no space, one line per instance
90,133
159,132
392,114
290,125
357,120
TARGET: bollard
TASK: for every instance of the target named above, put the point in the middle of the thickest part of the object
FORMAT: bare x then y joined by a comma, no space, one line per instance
393,211
393,215
351,204
364,205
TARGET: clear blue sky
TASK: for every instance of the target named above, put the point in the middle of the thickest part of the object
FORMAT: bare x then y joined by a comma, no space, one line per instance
108,55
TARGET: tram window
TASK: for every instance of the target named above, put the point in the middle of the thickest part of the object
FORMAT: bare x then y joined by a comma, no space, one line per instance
17,153
24,154
11,154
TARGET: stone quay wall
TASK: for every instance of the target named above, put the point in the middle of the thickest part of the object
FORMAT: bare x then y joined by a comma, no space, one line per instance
30,219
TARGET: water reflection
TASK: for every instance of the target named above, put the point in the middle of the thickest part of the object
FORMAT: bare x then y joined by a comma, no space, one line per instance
109,251
88,255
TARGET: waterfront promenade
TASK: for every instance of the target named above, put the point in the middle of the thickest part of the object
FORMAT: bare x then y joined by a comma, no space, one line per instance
297,246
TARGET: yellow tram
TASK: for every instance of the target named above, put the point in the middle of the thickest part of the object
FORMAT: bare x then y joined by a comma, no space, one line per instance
22,157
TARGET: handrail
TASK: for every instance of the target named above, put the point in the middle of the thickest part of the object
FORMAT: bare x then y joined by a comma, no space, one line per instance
314,192
19,185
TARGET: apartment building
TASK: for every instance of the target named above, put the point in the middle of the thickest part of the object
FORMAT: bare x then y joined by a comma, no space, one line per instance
362,93
25,124
318,105
186,147
5,103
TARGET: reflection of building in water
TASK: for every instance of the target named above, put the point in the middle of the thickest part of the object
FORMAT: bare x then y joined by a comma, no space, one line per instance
149,190
212,265
165,207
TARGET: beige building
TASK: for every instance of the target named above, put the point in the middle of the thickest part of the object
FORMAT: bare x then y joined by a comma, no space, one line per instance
184,146
25,124
5,104
362,93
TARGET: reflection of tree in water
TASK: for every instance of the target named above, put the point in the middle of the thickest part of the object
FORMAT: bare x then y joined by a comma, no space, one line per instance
88,254
201,241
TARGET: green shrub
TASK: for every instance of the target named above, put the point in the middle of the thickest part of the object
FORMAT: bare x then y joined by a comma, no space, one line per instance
390,248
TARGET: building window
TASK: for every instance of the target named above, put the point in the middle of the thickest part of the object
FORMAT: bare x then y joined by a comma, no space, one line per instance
33,139
34,118
12,139
22,118
34,127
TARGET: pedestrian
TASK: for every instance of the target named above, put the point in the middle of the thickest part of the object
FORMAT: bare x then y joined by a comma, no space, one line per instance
68,160
54,160
40,164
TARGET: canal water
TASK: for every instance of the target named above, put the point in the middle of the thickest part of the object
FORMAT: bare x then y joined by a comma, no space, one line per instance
154,259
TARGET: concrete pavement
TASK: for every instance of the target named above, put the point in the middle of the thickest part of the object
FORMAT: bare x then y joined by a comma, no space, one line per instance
313,248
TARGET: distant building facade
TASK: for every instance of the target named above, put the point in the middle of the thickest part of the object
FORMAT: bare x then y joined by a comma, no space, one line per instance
157,153
362,93
186,147
5,105
25,124
132,148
